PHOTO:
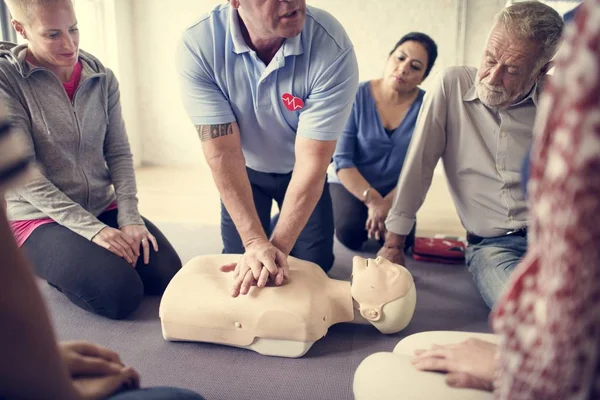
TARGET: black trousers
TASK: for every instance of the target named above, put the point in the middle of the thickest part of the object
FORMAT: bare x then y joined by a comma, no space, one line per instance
350,216
315,242
92,277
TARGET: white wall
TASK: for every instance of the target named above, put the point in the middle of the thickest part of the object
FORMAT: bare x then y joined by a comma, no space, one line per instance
480,14
169,137
120,55
459,27
103,25
375,26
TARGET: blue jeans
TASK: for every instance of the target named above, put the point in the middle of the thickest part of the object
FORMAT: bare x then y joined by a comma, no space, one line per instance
315,242
157,393
491,263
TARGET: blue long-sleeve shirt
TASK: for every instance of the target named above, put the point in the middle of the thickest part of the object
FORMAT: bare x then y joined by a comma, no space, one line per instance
365,144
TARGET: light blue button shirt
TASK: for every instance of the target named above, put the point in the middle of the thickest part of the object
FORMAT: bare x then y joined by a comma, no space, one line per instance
223,80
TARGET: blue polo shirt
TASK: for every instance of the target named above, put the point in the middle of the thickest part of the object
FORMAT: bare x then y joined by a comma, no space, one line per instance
366,145
223,80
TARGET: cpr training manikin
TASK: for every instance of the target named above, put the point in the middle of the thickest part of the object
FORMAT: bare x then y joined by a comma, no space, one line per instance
283,320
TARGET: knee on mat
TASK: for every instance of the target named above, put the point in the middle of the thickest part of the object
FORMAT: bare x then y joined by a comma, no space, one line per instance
326,265
122,297
350,237
162,275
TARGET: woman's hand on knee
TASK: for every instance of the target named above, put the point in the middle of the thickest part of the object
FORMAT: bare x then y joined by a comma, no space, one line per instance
117,243
141,238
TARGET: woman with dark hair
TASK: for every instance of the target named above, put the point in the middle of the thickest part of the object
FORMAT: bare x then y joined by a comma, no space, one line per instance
370,153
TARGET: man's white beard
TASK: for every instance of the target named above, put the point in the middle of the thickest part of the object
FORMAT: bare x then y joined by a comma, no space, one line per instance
492,96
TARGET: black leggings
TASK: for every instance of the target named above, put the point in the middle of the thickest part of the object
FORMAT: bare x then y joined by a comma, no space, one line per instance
92,277
350,216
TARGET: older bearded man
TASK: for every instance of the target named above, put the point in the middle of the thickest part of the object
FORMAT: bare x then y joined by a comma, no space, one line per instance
479,122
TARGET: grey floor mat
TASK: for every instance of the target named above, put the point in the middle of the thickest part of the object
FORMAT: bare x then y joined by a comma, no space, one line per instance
446,300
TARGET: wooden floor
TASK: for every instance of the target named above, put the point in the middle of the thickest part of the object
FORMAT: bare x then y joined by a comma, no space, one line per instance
188,195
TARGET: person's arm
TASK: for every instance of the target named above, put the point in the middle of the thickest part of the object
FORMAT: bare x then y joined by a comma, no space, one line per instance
390,196
38,190
33,366
345,153
343,161
15,162
222,149
353,181
323,118
304,190
425,149
212,115
119,159
119,162
30,366
356,184
379,207
47,198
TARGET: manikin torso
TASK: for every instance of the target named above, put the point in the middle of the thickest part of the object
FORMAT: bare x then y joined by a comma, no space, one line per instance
282,320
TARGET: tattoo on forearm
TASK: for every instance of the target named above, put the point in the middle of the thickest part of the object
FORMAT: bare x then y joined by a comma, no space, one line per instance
208,132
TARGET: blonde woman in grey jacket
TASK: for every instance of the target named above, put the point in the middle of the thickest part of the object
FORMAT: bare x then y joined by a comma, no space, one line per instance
78,218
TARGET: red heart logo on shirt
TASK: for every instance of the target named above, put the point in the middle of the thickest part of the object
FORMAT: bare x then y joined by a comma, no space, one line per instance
291,102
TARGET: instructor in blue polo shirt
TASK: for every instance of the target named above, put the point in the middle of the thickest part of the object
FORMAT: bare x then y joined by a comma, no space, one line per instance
269,85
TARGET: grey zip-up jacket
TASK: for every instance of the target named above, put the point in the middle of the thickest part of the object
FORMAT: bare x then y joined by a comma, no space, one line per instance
81,146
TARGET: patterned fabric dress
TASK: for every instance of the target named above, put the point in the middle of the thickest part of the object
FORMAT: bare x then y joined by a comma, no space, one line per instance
549,319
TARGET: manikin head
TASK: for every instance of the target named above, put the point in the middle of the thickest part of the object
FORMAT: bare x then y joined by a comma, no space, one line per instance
385,293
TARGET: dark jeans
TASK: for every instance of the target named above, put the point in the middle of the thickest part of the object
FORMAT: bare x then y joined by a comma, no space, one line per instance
350,216
157,393
92,277
315,242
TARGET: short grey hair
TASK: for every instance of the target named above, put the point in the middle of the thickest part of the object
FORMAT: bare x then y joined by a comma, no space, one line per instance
21,10
536,21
